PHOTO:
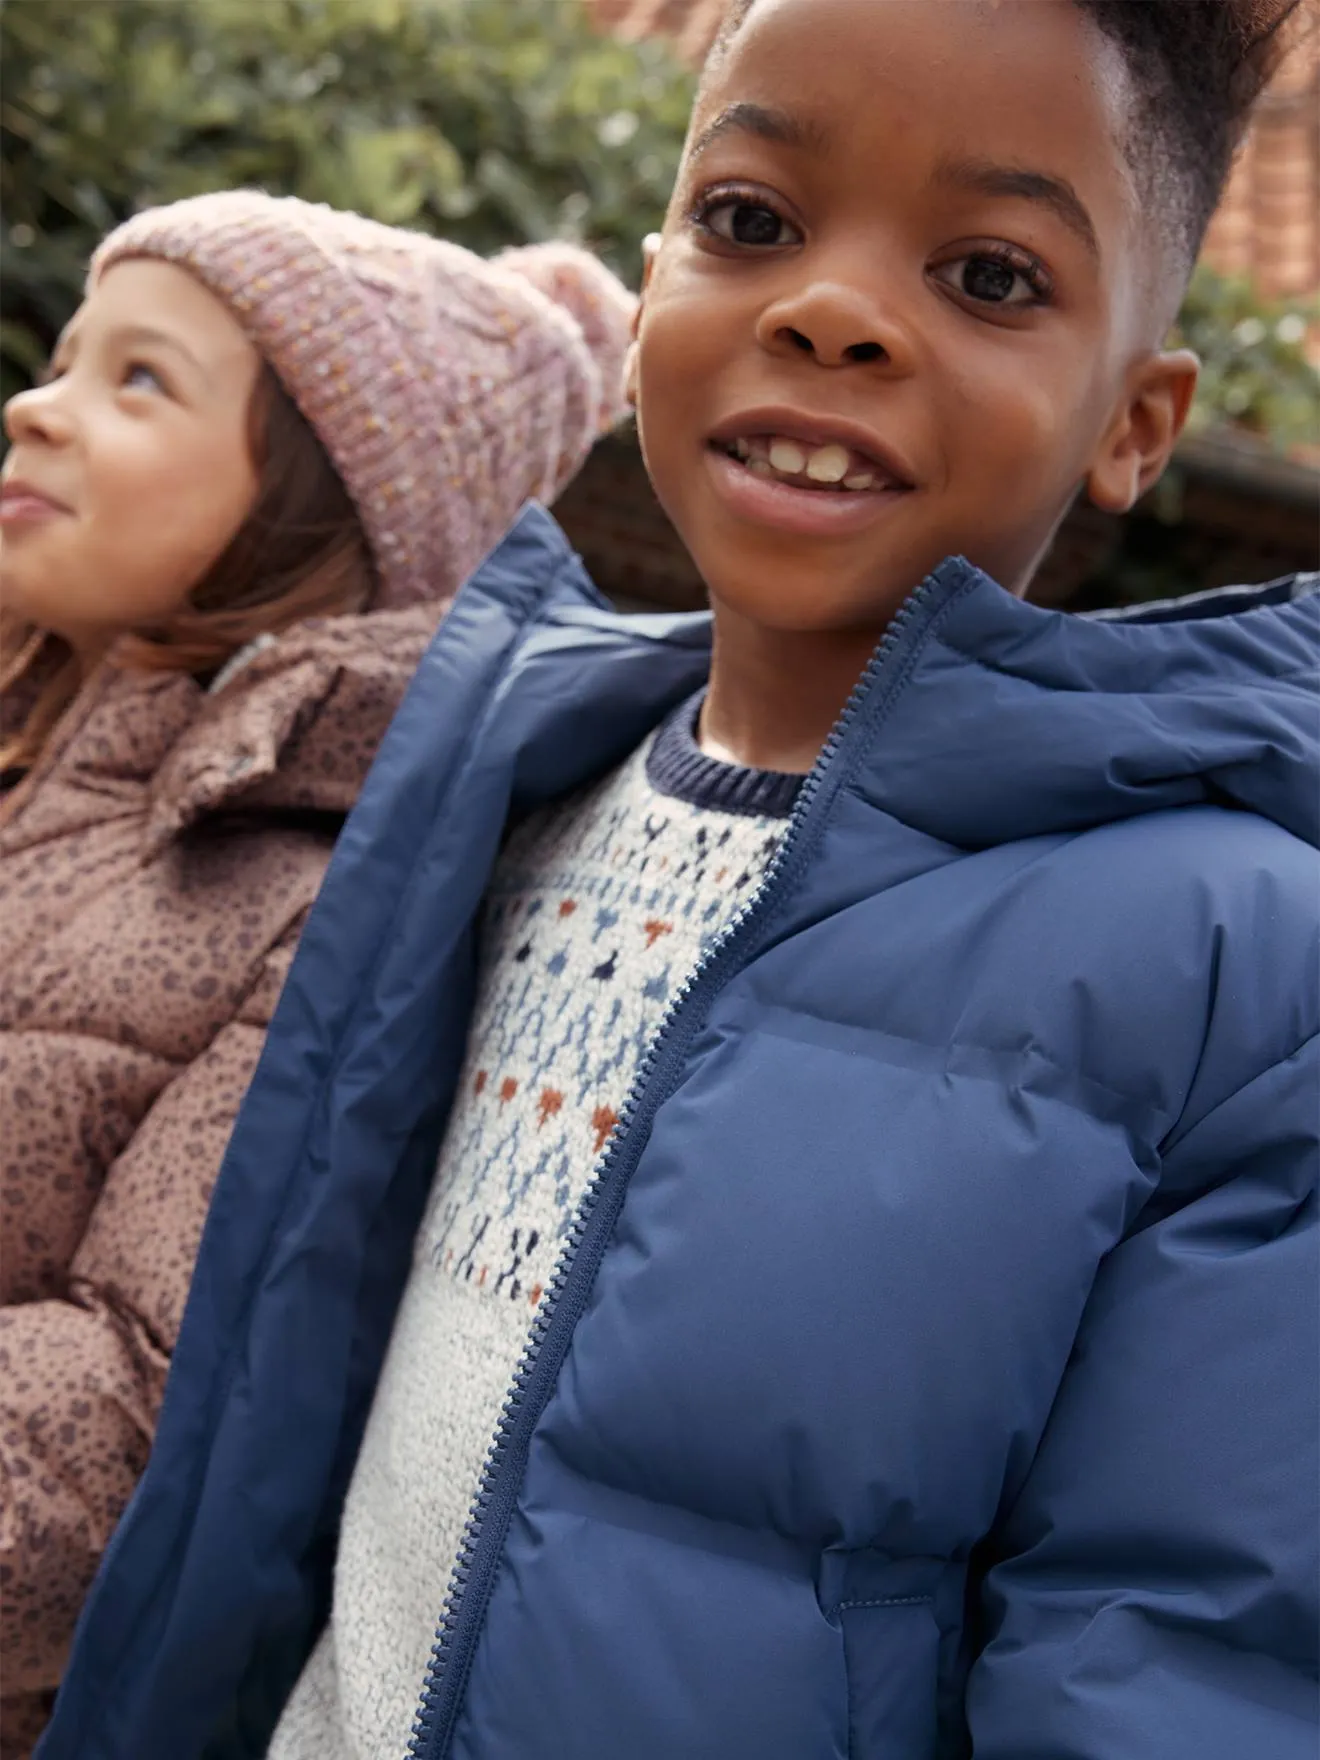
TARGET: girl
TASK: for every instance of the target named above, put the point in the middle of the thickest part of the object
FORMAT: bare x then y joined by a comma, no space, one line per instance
272,441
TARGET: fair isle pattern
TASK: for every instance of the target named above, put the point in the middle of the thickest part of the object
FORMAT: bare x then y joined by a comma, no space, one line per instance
596,912
592,921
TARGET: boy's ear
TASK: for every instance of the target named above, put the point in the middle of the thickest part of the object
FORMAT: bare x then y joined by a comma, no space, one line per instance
650,249
1136,447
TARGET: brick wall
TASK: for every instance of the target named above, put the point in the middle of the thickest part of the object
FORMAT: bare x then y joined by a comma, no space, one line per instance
1268,224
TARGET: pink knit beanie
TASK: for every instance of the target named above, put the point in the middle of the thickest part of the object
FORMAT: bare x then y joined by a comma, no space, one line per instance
446,389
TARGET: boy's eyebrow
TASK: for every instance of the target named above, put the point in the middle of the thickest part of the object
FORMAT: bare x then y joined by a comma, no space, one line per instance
767,123
984,177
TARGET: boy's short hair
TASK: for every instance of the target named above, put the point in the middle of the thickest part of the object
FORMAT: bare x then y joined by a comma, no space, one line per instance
1196,68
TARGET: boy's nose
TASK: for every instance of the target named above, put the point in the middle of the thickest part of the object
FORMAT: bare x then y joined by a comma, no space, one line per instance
838,326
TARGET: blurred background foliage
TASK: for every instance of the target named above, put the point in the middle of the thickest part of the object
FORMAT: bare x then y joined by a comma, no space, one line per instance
491,121
1254,373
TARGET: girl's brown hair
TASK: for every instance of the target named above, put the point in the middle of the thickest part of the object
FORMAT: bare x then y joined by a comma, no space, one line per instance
300,552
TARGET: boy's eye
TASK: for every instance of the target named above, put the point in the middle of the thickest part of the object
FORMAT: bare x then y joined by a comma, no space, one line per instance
744,220
995,278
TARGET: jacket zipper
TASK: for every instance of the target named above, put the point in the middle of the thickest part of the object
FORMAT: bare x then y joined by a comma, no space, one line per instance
565,1299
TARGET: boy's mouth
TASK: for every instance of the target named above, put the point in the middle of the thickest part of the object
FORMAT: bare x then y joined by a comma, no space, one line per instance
830,465
805,475
818,467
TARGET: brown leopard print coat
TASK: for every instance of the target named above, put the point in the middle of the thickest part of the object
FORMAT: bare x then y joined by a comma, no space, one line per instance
156,867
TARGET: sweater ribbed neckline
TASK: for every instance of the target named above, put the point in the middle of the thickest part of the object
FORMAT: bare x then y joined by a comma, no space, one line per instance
677,766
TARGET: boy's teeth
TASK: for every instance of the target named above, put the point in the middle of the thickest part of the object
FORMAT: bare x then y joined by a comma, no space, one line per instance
828,464
787,456
830,467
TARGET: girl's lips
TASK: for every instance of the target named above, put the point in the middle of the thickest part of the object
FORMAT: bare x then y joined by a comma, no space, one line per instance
806,512
25,507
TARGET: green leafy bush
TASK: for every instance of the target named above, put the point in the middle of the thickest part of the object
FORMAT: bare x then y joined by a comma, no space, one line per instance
491,121
1254,373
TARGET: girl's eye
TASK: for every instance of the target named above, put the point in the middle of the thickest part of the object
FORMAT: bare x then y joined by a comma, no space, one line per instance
745,220
138,376
993,278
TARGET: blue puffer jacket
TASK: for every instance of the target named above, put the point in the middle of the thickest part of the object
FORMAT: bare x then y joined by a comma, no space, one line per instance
933,1369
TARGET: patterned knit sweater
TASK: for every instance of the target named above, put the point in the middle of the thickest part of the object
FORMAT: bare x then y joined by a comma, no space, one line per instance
596,912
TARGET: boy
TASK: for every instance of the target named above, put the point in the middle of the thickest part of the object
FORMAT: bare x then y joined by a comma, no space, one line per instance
927,1366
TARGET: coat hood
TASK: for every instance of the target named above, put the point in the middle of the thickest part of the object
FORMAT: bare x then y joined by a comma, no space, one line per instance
1018,722
293,722
291,725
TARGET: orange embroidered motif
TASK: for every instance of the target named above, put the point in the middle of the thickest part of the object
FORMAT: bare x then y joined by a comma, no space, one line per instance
603,1121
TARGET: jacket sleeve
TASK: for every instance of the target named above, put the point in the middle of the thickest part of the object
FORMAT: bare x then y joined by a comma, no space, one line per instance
81,1379
1156,1590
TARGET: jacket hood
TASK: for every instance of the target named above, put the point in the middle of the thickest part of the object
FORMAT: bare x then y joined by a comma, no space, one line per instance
1017,722
293,722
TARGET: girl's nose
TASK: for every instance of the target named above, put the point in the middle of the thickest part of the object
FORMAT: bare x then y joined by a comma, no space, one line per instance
37,415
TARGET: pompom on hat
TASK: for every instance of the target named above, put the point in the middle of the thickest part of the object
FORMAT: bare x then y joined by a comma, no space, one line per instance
446,389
